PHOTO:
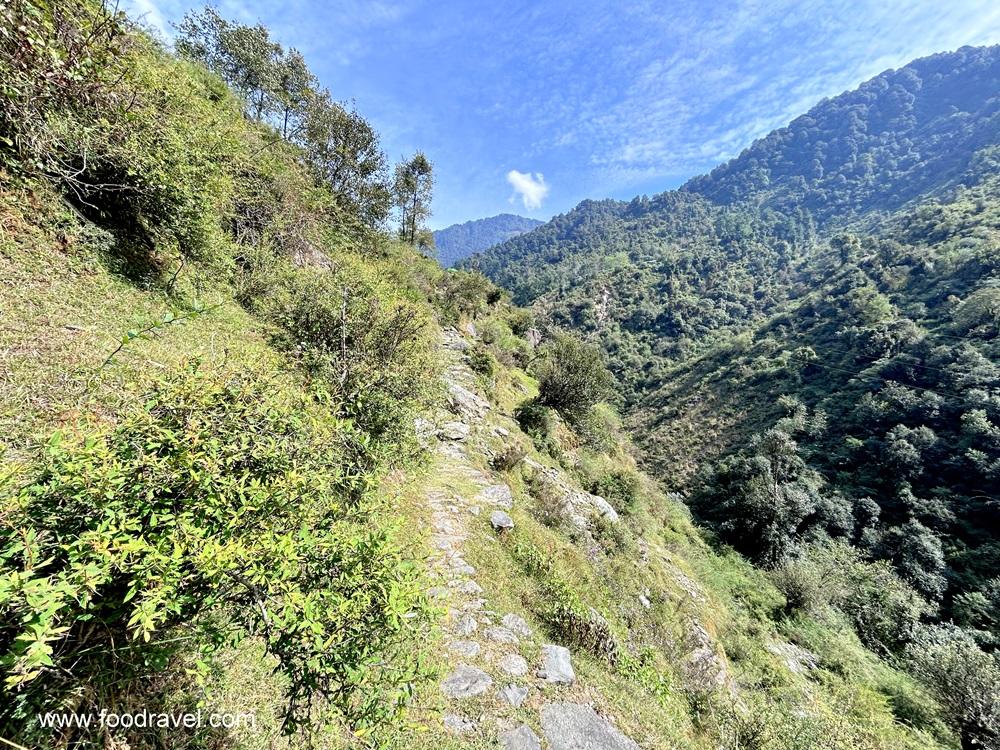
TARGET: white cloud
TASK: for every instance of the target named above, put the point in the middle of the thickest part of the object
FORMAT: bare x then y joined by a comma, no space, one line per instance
531,187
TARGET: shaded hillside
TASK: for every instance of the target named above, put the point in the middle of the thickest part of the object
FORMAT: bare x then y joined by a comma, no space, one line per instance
462,240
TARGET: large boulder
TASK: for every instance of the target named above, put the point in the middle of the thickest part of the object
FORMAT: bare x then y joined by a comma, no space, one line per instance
571,726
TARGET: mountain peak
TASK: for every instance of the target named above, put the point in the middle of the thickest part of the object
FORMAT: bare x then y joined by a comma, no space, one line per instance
462,240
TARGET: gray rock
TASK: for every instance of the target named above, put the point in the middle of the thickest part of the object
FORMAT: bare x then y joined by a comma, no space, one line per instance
458,724
514,695
466,682
501,635
423,428
577,506
454,430
468,649
501,521
797,659
571,726
465,625
498,494
461,567
533,336
454,341
516,624
557,667
471,588
521,738
513,664
466,403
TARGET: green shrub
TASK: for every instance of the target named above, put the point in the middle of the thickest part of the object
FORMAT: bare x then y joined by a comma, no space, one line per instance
463,294
482,362
620,488
965,680
600,428
613,536
212,511
511,455
366,349
882,607
535,419
572,378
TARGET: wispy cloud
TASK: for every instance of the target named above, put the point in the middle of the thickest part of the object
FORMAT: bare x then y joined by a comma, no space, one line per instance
531,188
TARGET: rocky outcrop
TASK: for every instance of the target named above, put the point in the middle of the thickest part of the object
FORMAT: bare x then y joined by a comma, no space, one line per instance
579,507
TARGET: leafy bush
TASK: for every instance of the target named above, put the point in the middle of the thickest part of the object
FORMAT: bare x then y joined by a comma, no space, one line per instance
212,511
511,455
620,488
600,428
573,378
964,679
883,609
463,294
367,349
483,362
538,423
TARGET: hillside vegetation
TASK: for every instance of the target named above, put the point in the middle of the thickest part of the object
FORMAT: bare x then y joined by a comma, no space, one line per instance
262,456
805,338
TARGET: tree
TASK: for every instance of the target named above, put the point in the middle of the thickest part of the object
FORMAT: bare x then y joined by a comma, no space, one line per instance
965,680
243,56
344,152
412,189
574,377
295,90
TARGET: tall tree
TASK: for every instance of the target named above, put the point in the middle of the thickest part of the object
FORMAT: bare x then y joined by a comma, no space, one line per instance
344,152
243,56
413,187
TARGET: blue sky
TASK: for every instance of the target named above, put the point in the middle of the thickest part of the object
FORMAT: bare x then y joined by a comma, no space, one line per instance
530,107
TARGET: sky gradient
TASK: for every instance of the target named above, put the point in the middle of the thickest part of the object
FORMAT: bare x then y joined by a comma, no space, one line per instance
530,107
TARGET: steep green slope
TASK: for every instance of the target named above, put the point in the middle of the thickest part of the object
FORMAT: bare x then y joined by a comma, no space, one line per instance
459,241
808,351
211,360
670,643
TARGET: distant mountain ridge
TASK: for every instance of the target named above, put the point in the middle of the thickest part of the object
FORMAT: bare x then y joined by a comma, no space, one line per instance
896,137
459,241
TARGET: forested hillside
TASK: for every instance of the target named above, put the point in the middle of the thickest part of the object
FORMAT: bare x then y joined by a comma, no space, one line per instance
806,338
903,134
462,240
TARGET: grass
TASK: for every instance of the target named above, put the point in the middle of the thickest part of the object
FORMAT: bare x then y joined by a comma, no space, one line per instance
66,312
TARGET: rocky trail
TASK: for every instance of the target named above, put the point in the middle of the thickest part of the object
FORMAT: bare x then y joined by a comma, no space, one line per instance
505,686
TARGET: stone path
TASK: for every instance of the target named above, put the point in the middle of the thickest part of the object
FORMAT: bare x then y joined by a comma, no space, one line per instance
495,660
